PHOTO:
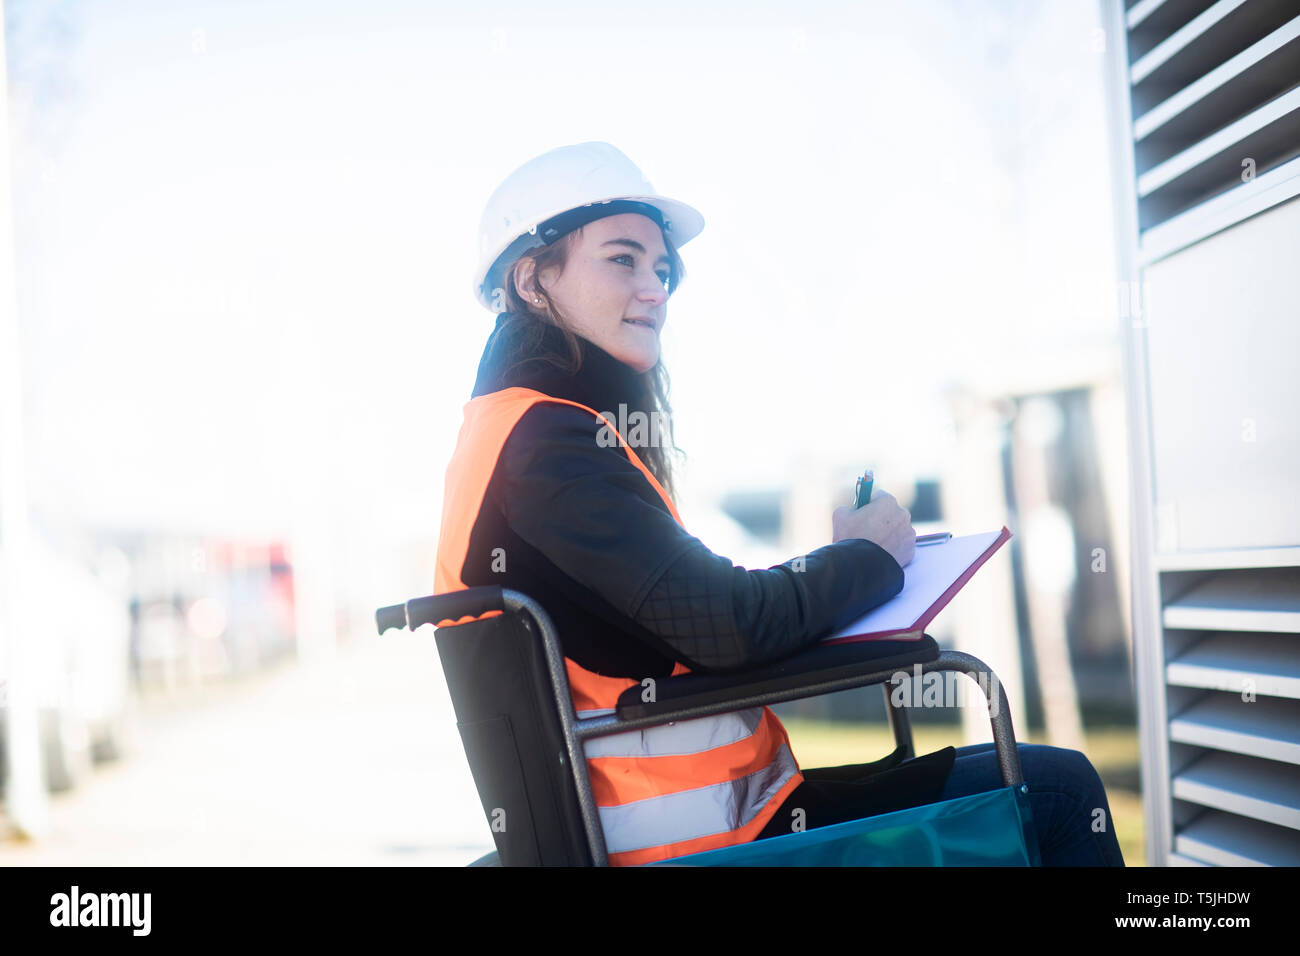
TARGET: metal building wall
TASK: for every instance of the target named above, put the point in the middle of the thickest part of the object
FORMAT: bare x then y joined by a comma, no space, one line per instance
1205,102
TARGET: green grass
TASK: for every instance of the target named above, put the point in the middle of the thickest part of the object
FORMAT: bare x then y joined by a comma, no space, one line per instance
1113,751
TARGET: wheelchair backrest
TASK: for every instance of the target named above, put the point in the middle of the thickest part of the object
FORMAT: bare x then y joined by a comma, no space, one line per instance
506,714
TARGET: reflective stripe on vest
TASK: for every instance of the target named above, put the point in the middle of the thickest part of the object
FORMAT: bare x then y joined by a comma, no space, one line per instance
675,739
662,792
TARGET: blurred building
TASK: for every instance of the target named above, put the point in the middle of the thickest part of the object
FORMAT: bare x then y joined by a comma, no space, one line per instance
206,608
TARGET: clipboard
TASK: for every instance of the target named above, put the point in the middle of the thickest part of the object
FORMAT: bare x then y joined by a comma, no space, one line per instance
934,575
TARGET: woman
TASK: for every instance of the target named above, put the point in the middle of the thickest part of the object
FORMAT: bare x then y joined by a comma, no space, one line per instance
561,487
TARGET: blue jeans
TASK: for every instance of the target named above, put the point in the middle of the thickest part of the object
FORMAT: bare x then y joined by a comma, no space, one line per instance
1065,795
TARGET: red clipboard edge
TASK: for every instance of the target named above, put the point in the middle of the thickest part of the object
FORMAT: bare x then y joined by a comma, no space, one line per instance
917,630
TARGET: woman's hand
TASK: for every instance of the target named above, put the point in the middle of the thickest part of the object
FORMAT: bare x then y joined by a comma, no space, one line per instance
882,520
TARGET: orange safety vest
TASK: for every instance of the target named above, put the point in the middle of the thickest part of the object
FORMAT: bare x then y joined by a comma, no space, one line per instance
662,792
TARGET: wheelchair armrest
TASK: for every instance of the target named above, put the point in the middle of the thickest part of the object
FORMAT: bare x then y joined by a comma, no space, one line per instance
807,669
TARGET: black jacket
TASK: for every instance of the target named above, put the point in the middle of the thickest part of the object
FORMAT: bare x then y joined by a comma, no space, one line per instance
574,524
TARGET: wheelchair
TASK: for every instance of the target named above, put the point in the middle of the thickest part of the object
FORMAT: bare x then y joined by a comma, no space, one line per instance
524,743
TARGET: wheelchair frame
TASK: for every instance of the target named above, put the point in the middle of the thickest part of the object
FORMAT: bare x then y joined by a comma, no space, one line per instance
803,675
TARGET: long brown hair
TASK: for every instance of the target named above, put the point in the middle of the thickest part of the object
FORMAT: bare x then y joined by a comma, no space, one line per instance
652,386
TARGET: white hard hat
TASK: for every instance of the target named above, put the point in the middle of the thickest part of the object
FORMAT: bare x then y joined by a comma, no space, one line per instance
582,180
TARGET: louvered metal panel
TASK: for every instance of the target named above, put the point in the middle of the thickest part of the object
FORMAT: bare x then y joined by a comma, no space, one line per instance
1177,859
1263,790
1214,99
1265,600
1205,99
1245,558
1226,839
1267,727
1257,74
1241,663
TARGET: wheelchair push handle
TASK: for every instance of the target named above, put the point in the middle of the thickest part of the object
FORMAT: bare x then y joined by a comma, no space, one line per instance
392,616
440,607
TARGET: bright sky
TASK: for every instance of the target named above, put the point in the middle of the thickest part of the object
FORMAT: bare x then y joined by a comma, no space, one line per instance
247,231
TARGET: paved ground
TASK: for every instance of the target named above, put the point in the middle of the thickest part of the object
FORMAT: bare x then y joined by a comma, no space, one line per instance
352,762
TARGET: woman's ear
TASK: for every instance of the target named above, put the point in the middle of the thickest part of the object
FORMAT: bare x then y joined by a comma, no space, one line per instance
525,279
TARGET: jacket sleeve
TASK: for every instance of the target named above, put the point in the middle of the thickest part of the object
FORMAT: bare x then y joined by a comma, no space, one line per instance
594,515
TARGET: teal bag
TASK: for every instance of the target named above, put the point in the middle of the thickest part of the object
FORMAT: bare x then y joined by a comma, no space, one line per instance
985,829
